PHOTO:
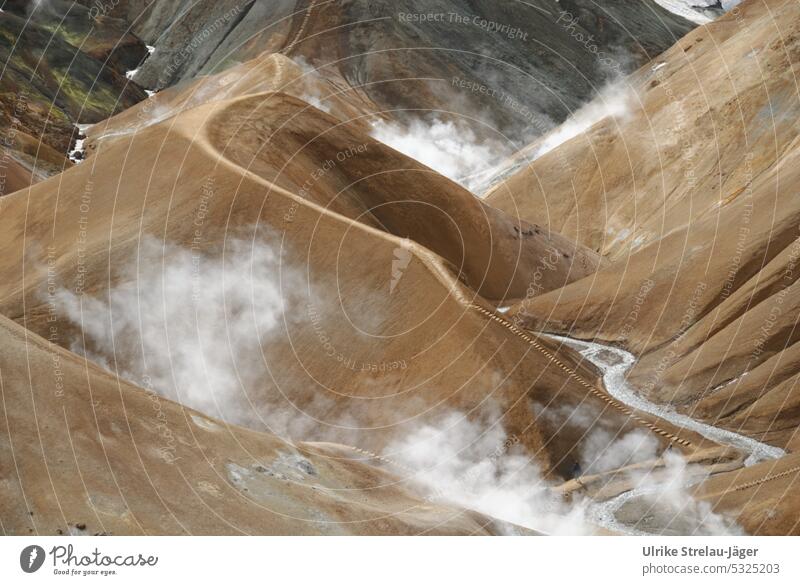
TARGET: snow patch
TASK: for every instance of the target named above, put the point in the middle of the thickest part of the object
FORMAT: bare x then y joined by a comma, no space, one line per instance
78,153
696,11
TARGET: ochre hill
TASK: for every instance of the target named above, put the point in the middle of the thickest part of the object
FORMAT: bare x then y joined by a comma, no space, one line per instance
703,284
83,452
364,342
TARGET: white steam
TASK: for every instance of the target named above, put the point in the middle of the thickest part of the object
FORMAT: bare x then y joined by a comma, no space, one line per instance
188,326
601,452
151,113
671,497
476,465
615,100
451,149
310,91
197,329
661,502
660,499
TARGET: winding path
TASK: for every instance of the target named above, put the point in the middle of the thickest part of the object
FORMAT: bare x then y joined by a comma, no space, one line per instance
626,402
620,395
298,37
597,392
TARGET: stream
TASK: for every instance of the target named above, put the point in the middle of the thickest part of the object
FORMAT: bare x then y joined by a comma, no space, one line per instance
614,364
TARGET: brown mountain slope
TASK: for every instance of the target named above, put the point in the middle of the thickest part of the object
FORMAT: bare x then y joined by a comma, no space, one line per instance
763,498
358,177
329,158
708,116
541,60
264,73
710,305
257,267
375,335
535,75
82,452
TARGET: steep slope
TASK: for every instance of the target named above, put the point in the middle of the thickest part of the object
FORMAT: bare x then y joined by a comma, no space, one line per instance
675,155
59,68
268,72
346,171
763,497
82,452
241,255
405,53
363,332
105,39
396,62
328,158
709,305
538,61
